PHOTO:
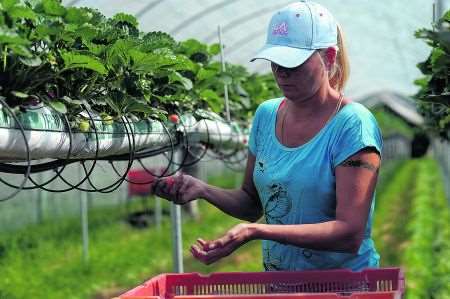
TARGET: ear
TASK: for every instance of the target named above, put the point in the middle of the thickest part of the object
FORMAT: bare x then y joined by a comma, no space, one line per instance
330,55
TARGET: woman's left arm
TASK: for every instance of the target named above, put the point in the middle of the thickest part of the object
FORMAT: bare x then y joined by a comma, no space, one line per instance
356,180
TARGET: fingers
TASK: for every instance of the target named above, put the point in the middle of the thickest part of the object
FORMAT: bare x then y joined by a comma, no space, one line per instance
175,183
203,243
167,187
209,257
209,252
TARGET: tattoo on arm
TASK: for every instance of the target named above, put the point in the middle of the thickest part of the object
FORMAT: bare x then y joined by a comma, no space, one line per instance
359,163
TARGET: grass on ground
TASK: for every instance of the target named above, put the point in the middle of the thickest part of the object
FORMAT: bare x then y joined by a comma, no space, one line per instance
45,261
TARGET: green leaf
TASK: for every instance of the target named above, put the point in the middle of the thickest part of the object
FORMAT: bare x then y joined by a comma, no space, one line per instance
86,31
32,61
205,74
422,82
444,122
213,100
21,50
8,36
71,101
192,46
177,77
45,30
125,18
112,103
139,106
22,12
74,60
149,62
119,53
214,49
8,4
58,106
53,8
95,49
77,15
19,94
438,59
157,40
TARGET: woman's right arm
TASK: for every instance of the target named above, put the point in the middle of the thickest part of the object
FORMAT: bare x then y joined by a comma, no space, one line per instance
242,203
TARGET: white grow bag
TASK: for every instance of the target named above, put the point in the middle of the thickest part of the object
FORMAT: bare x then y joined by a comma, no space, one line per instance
48,136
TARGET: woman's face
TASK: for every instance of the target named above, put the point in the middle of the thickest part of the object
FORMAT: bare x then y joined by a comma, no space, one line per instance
303,81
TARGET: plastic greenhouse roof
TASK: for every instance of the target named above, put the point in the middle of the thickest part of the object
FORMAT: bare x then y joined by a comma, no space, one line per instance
379,34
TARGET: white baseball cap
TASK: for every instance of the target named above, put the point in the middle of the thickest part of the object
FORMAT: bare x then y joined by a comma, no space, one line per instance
296,31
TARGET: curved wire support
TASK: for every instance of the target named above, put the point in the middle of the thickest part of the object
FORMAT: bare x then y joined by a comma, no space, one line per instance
172,161
27,147
172,149
131,150
233,151
187,147
77,185
58,171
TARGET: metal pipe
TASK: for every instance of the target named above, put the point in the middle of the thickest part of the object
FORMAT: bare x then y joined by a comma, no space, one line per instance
84,219
225,85
177,239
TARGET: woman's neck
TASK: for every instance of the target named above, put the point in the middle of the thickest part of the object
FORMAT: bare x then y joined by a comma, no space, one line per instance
304,109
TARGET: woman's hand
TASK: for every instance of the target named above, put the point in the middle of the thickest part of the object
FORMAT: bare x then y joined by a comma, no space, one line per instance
209,252
179,188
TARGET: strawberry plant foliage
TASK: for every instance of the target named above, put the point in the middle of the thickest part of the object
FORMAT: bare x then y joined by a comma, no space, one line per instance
76,58
434,94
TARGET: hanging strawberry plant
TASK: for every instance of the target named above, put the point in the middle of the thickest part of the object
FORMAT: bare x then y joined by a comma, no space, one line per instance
434,94
75,59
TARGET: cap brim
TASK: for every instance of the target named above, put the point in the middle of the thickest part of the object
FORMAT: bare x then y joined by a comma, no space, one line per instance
285,56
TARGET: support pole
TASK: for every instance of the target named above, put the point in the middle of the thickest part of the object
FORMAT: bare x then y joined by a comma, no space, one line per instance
177,238
40,199
84,219
438,10
158,212
177,241
225,86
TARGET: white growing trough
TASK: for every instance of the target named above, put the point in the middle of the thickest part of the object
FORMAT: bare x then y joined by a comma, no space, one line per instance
48,135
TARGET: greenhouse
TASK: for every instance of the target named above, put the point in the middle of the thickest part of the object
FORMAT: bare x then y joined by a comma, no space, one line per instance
209,149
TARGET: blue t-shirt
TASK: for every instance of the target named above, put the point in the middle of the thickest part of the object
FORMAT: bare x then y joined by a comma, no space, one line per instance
298,186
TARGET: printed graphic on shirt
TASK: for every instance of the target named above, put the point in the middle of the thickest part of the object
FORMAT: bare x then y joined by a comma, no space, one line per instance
260,165
278,205
271,257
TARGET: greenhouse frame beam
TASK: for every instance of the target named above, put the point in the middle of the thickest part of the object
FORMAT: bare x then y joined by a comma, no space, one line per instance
200,14
244,40
147,8
243,19
73,2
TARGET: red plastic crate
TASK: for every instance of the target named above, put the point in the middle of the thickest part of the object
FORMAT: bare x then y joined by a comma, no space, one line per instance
382,283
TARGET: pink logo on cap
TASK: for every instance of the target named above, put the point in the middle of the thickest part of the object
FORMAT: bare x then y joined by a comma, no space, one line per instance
280,29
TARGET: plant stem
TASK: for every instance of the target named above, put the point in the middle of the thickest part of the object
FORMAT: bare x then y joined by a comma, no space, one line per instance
4,57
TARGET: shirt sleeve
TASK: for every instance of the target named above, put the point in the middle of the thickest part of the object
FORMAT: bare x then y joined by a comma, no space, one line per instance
252,142
359,131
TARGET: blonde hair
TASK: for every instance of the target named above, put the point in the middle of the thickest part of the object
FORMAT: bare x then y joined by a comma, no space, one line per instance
340,71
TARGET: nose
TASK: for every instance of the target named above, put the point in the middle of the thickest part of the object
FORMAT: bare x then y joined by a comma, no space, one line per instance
281,73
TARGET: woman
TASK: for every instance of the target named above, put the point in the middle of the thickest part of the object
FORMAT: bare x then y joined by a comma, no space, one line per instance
313,159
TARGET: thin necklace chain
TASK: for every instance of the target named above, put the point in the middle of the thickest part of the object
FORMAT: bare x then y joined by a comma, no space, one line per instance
338,106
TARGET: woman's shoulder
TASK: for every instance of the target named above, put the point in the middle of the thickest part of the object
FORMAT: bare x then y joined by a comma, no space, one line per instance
267,107
270,104
355,111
